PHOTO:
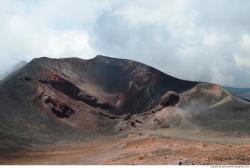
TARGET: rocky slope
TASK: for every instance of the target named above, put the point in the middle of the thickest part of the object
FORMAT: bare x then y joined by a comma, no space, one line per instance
59,100
205,107
52,98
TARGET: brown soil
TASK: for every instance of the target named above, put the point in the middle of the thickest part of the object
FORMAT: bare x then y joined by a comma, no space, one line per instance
135,149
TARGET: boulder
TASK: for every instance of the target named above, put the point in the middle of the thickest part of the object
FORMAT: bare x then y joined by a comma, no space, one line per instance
171,98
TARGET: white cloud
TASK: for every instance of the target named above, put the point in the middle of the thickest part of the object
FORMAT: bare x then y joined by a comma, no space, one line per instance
213,39
224,78
242,56
158,11
242,61
184,38
245,42
45,28
69,43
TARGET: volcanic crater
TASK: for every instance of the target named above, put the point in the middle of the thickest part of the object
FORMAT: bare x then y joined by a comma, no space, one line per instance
60,101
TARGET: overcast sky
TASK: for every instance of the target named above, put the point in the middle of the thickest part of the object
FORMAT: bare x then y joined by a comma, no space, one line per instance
190,39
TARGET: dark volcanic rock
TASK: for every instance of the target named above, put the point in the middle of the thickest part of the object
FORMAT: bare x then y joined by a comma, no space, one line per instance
171,98
60,110
71,90
63,111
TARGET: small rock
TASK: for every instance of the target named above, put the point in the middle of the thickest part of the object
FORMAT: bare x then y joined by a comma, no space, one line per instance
140,158
127,117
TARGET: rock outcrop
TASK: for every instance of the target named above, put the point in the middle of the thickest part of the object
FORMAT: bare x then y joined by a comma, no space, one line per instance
171,98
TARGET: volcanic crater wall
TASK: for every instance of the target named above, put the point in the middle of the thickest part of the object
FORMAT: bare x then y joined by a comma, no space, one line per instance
85,95
122,85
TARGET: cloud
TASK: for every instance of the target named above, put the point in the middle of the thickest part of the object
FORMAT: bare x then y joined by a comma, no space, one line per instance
187,39
44,29
245,42
242,61
190,39
214,40
242,57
